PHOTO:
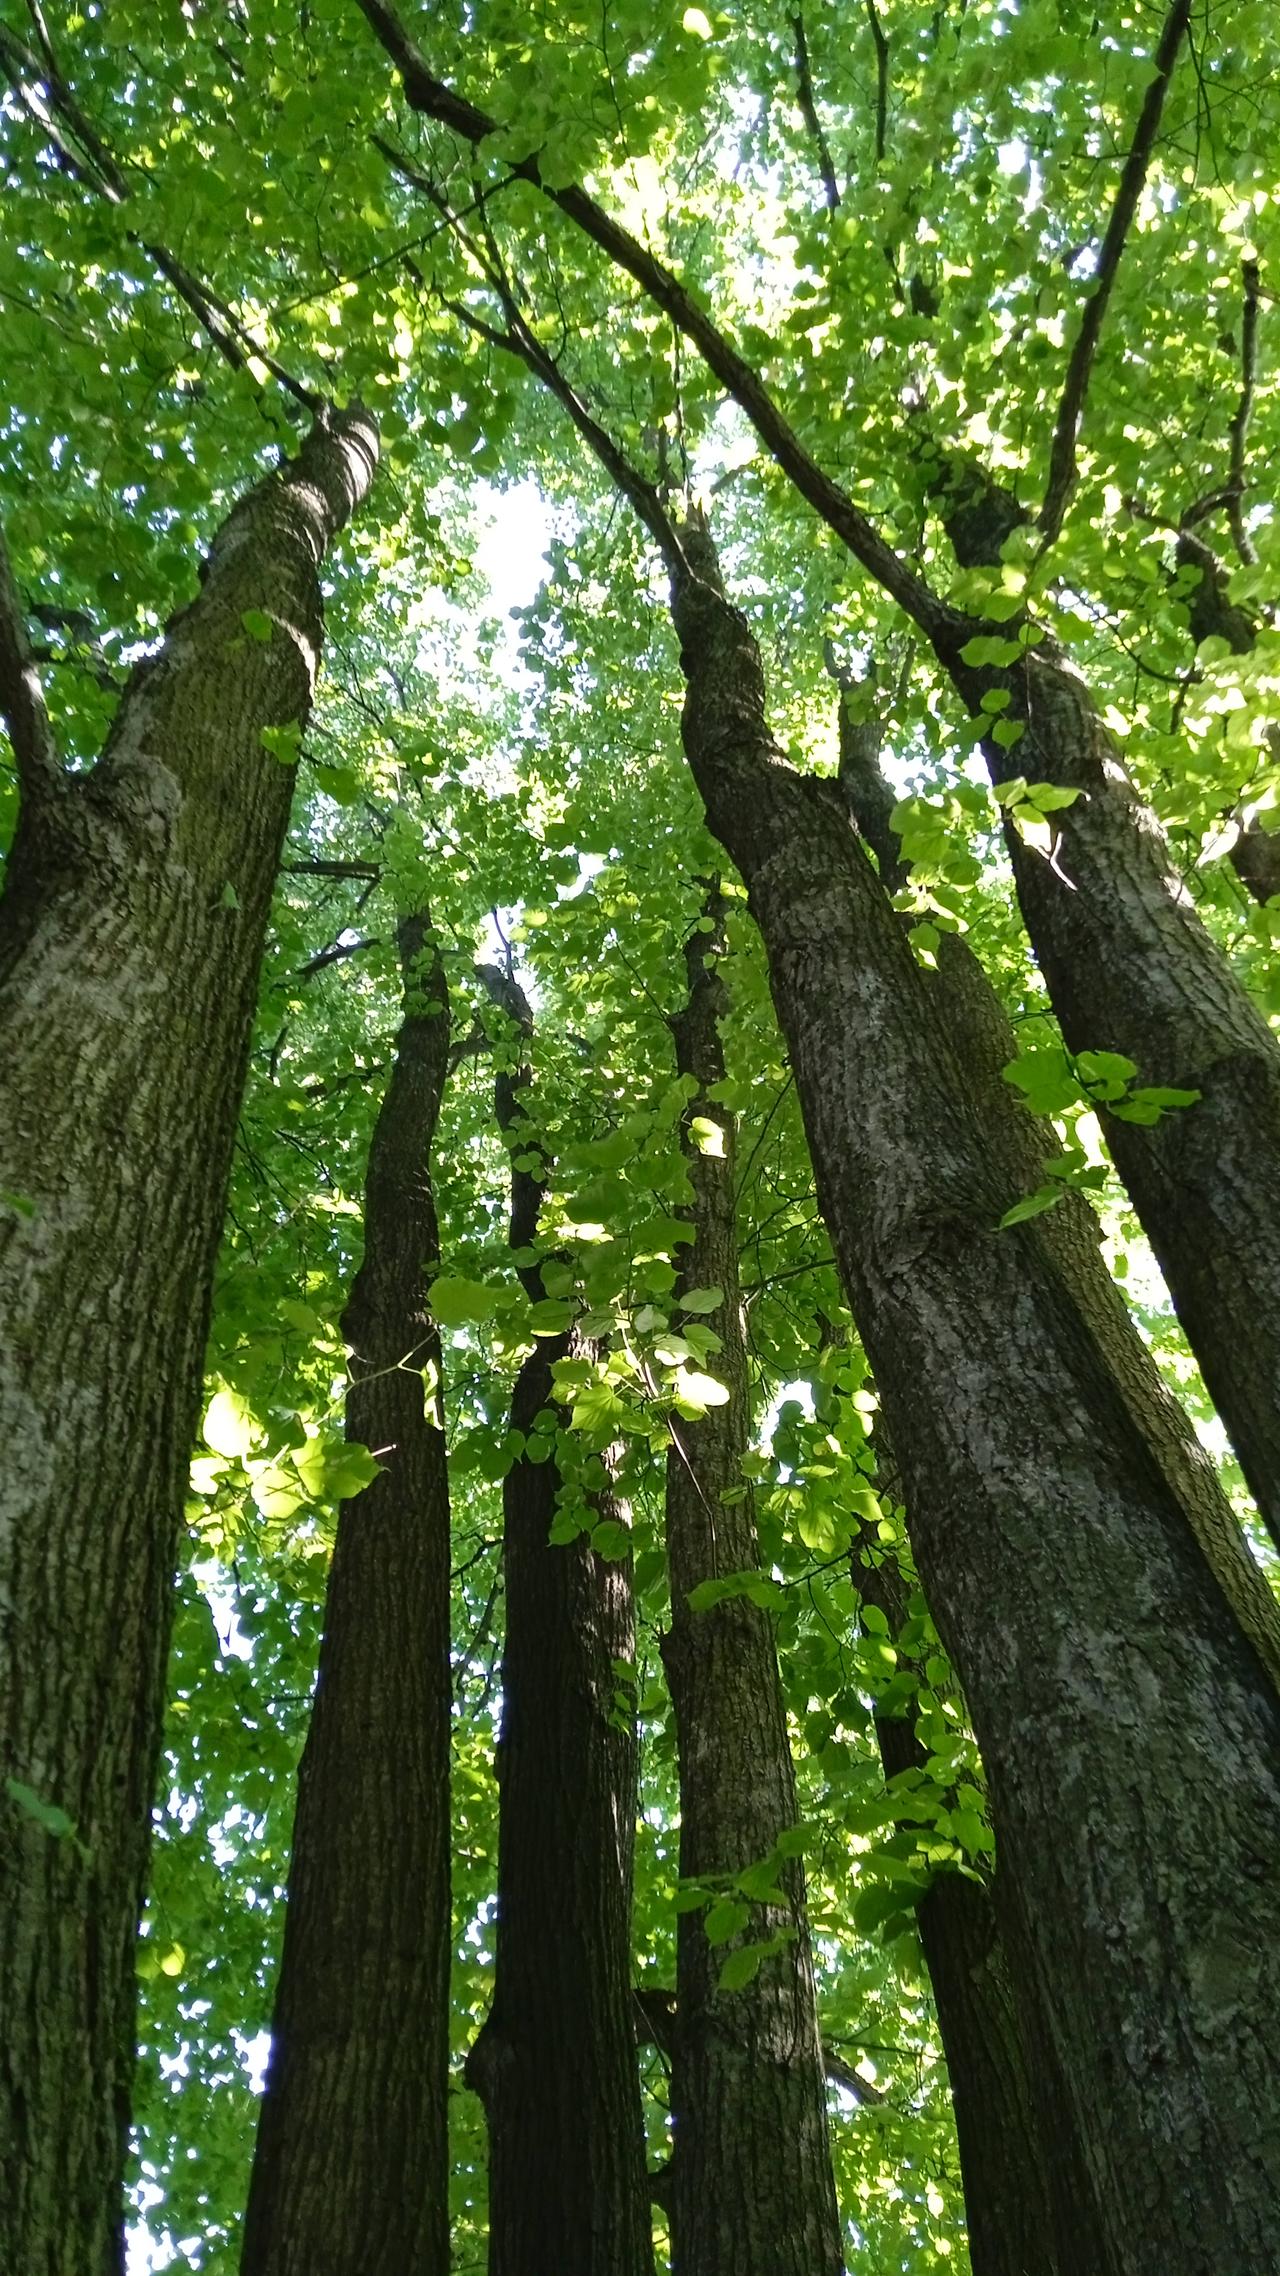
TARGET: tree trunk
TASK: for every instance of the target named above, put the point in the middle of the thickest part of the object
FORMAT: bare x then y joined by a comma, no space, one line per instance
751,2184
1130,968
983,1043
1130,1733
351,2169
1009,2178
1255,856
131,935
555,2062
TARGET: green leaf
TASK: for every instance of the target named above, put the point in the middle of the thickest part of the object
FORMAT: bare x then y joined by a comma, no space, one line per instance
1034,1205
460,1303
701,1300
740,1968
725,1919
282,743
42,1813
257,624
696,21
692,1393
228,1425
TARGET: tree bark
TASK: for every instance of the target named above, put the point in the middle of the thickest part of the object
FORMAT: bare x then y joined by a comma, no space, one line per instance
555,2062
351,2169
127,991
983,1043
751,2185
1130,1733
1010,2178
1130,968
1255,856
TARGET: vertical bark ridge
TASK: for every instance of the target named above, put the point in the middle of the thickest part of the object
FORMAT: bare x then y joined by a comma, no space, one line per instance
751,2185
351,2168
127,990
555,2062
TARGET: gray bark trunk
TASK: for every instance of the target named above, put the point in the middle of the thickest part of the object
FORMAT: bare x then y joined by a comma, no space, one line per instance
1130,1733
555,2063
751,2184
983,1043
127,992
351,2169
1130,968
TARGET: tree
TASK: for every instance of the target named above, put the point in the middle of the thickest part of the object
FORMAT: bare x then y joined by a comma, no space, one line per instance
993,301
555,2063
750,2182
131,932
352,2161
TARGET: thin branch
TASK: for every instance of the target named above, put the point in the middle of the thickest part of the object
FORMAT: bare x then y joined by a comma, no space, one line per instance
363,869
22,703
945,626
1244,412
334,954
1062,456
811,115
97,171
881,38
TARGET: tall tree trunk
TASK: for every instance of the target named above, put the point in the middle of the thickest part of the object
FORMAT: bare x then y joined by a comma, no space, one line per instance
1130,1733
351,2169
751,2184
131,935
555,2062
1130,968
1012,2170
984,1043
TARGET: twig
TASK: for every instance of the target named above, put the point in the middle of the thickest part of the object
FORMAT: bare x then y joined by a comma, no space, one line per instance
1062,455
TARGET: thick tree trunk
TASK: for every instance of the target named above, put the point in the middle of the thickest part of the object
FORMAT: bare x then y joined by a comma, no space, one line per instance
1130,1733
983,1044
1130,968
128,977
351,2169
555,2063
751,2184
1010,2178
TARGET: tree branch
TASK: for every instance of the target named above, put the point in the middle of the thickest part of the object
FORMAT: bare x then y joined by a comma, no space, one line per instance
945,626
1062,455
1244,412
810,113
881,38
22,703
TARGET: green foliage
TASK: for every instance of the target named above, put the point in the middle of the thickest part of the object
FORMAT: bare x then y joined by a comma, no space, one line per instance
498,732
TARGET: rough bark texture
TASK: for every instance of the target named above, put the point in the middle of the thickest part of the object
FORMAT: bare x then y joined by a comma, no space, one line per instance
127,990
1008,2173
351,2169
1130,1733
1255,856
555,2063
983,1043
1130,968
750,2185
